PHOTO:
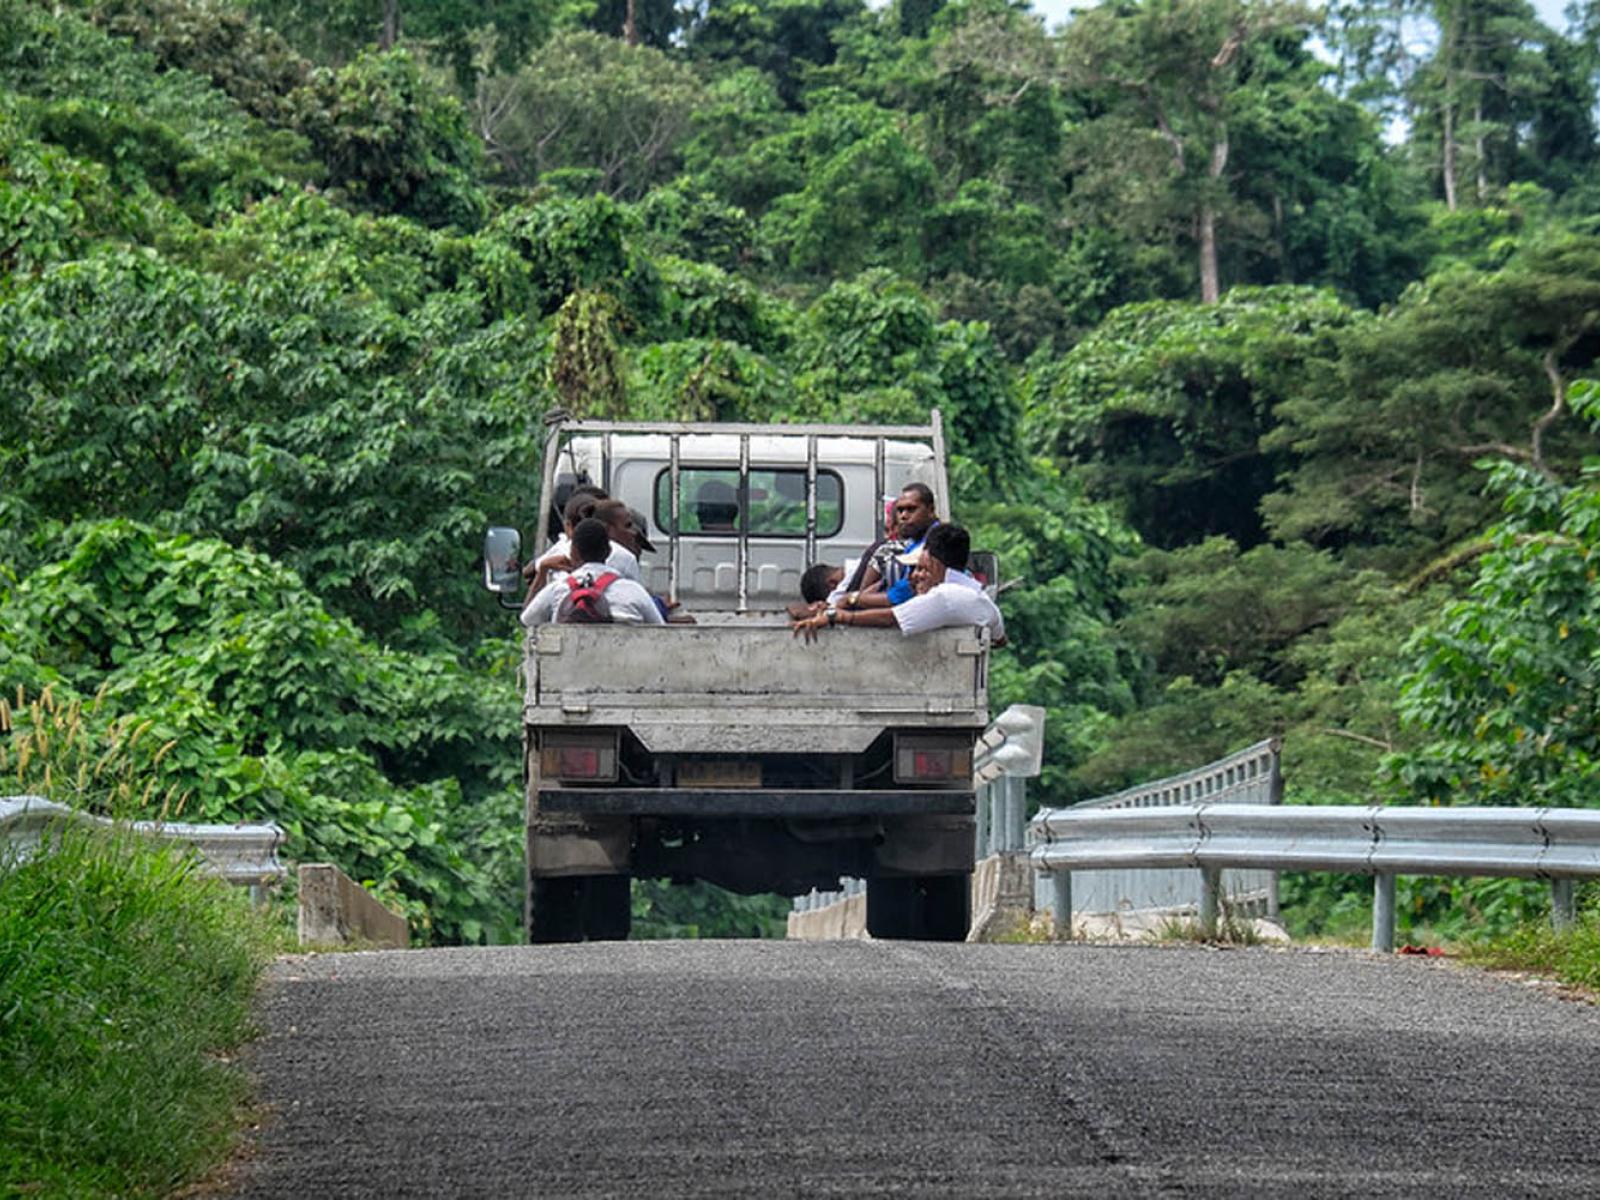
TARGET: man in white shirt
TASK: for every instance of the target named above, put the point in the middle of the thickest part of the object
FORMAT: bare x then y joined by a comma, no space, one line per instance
945,595
588,501
627,600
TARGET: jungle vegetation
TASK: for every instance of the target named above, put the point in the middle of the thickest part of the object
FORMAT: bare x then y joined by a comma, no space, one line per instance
1267,334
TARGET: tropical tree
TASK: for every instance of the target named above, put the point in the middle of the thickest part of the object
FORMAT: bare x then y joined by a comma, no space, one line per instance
1170,73
1506,682
589,103
1164,406
1469,365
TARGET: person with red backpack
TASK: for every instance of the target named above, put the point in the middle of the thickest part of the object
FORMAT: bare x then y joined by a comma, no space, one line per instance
593,593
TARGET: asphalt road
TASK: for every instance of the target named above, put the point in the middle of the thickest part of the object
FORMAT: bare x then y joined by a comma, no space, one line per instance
777,1069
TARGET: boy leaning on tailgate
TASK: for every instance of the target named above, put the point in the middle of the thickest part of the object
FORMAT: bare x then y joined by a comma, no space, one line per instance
626,602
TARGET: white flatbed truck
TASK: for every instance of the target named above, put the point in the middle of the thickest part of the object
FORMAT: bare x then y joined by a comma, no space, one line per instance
728,750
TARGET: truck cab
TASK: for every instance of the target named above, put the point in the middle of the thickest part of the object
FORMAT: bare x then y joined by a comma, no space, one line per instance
720,747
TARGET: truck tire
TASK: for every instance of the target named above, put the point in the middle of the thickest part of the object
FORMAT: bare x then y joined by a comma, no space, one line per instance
577,908
555,910
944,913
928,908
889,903
608,907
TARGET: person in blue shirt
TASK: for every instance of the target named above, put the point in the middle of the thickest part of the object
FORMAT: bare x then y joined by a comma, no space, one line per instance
886,579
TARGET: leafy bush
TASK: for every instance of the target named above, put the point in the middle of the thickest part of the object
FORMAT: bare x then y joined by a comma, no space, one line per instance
287,411
1571,955
254,703
702,910
392,140
1506,682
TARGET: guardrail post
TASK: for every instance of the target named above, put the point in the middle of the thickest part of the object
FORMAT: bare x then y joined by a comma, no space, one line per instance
1383,913
1061,903
984,792
1210,899
1563,912
1016,810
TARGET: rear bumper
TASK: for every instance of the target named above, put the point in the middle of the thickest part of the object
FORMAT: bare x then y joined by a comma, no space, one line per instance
755,802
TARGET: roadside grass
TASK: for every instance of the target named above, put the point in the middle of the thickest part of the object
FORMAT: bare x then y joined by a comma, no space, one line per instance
1232,929
125,980
1571,955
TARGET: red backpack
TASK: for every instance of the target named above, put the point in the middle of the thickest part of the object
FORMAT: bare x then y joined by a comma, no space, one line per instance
585,601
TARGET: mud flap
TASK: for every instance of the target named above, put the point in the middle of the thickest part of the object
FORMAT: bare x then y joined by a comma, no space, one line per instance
926,845
598,846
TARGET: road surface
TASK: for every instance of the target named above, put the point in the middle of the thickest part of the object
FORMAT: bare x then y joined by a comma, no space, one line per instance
858,1068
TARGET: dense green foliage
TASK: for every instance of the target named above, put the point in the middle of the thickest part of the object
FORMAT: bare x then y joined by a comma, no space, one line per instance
124,980
1242,353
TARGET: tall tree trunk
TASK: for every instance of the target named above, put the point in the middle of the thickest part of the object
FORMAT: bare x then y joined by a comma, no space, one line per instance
1285,268
1481,151
1448,51
1206,221
630,24
1210,289
1449,158
391,24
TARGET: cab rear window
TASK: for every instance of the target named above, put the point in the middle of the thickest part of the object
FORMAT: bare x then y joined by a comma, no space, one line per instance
711,503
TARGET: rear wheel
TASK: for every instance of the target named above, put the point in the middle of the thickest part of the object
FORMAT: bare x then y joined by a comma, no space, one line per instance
929,908
555,910
608,907
576,908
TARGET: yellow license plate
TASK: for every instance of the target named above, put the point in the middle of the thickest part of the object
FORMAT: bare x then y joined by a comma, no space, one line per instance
719,774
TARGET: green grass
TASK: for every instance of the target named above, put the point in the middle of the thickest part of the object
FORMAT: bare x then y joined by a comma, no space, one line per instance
124,980
1232,929
1572,956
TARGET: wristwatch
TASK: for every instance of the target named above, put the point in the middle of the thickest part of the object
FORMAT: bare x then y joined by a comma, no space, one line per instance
833,616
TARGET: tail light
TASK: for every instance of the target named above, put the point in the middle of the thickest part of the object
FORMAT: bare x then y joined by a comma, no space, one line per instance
586,757
933,760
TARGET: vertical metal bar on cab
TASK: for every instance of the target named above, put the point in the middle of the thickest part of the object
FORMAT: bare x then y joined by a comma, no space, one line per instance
672,535
941,482
547,483
744,522
605,463
811,499
878,528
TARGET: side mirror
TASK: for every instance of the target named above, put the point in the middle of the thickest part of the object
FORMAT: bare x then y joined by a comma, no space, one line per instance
502,568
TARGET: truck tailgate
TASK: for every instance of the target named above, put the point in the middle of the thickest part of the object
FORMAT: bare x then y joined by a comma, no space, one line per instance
748,689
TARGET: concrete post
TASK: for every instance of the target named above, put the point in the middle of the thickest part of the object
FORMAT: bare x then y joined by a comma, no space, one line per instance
335,909
1563,912
1210,899
1383,913
1061,903
985,791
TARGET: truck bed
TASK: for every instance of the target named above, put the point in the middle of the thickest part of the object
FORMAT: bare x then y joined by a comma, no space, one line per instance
750,686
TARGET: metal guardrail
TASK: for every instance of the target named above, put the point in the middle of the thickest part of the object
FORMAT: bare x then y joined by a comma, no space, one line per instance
1558,844
243,855
1249,776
